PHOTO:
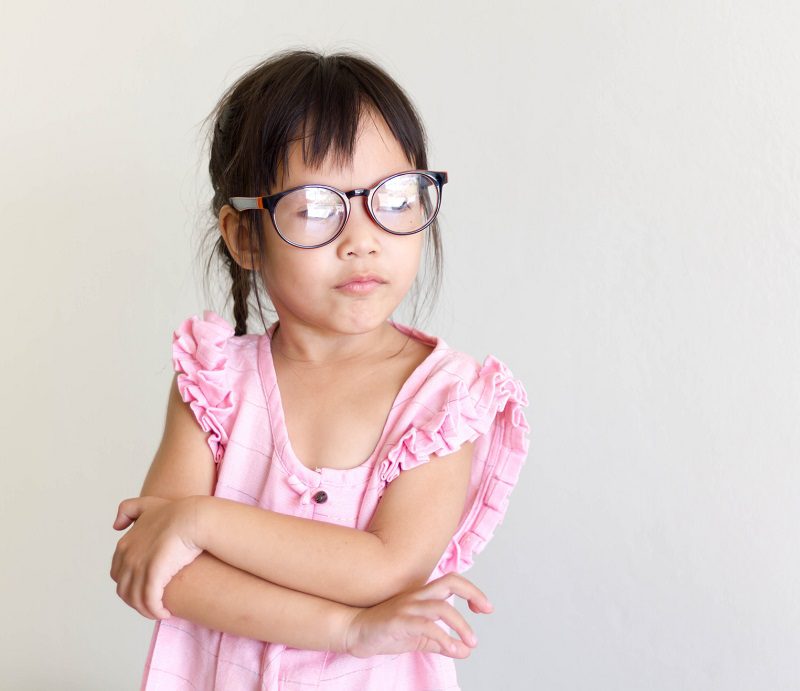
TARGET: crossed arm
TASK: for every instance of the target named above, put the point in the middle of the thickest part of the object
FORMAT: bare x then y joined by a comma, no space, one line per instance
237,588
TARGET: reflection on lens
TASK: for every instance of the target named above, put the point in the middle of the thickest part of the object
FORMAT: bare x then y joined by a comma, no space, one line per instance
310,216
405,203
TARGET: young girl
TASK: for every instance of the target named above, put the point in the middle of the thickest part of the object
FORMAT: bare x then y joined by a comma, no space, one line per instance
283,559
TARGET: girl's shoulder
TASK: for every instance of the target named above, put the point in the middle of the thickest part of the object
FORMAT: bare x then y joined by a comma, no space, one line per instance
453,397
458,399
206,350
211,340
448,368
215,369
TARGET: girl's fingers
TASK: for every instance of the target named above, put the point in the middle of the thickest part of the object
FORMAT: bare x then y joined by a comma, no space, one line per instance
439,641
440,609
140,601
121,521
114,566
129,510
146,597
455,584
124,587
155,605
130,590
152,598
134,597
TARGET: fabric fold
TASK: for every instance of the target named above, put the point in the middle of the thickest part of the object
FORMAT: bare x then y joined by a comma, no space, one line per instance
488,408
198,355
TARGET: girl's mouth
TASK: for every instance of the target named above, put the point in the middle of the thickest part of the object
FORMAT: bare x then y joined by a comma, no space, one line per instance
360,287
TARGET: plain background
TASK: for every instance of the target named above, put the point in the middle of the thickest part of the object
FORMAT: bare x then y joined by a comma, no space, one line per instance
621,228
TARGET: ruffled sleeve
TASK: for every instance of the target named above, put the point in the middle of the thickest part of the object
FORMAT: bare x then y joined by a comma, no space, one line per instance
198,355
464,401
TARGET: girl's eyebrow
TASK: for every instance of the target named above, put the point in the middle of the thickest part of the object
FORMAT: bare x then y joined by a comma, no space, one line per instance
313,180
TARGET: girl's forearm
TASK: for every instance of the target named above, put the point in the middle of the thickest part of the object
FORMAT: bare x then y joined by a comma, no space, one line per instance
342,564
221,597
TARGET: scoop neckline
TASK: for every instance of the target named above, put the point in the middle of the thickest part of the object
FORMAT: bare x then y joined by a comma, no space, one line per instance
280,434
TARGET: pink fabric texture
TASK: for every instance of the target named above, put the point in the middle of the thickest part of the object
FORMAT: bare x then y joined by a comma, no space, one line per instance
230,384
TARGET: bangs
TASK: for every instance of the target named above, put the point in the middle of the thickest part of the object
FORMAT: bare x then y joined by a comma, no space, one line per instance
327,138
332,107
320,101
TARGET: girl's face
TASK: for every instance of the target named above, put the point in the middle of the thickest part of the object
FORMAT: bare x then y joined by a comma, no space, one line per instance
305,285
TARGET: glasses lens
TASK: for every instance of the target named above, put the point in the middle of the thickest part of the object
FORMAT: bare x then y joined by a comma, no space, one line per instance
310,216
406,203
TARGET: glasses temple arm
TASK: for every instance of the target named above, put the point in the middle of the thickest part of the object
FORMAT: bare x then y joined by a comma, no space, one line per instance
242,203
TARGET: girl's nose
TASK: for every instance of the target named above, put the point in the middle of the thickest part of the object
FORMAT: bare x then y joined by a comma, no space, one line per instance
361,235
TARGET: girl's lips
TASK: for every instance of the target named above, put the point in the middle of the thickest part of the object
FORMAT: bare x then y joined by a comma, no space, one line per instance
359,287
362,277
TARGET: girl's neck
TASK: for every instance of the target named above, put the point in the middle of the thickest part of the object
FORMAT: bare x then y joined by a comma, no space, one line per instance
318,352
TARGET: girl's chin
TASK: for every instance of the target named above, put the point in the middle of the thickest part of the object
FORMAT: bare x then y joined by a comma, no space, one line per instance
343,315
359,322
362,325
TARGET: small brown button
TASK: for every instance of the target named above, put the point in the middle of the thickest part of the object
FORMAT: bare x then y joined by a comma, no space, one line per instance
321,497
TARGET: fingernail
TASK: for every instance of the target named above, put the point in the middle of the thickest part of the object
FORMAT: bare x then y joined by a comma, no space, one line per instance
473,638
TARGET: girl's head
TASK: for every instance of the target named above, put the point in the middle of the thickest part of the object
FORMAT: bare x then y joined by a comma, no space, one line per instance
301,118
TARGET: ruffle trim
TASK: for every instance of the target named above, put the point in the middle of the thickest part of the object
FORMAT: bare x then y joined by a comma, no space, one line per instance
470,412
198,355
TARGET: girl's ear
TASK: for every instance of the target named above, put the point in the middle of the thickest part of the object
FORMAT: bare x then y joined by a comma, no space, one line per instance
236,239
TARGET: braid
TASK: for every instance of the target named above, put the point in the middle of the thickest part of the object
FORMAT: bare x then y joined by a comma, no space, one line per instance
241,290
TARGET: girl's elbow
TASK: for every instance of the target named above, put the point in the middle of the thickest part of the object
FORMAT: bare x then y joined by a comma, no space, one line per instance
377,588
392,584
369,594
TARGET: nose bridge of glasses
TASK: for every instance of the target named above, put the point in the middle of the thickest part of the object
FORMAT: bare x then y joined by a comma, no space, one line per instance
361,192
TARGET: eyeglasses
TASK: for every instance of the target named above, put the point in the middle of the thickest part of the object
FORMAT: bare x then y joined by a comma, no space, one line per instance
311,216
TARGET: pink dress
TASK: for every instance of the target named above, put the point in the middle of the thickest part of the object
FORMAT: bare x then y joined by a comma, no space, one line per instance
230,384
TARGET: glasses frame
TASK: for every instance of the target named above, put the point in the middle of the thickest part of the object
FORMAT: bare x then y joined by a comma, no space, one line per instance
268,203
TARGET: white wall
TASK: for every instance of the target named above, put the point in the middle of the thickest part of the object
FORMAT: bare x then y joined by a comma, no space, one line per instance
621,227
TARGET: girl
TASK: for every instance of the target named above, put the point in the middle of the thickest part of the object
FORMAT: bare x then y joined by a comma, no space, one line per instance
283,559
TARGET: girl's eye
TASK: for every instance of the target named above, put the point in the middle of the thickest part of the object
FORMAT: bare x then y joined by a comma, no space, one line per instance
402,206
317,212
390,203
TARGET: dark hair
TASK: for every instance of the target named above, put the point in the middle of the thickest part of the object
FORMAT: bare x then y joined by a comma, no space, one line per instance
321,98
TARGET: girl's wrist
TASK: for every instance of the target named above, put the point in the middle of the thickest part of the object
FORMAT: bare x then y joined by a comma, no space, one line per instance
197,509
340,628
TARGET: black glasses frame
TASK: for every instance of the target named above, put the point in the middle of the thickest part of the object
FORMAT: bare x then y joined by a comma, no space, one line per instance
269,203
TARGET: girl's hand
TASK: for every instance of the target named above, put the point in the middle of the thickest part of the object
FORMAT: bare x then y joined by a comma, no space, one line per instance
406,622
162,541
